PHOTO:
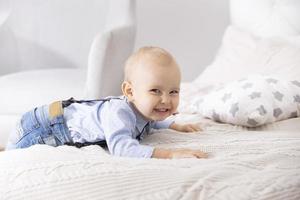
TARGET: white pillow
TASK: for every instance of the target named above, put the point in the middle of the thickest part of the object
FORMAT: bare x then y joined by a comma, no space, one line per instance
242,54
252,101
267,18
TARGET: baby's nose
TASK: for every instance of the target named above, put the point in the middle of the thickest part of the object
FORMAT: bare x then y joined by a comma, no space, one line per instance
165,99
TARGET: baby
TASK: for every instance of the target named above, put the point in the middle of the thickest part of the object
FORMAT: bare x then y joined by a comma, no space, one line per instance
150,95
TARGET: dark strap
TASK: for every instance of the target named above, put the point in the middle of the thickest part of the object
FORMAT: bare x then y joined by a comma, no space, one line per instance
66,103
141,133
102,144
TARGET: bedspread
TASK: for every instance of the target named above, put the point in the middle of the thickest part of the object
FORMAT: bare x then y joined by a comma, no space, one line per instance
242,164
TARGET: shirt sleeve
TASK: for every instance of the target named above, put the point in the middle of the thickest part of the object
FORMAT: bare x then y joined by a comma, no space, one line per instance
163,124
118,126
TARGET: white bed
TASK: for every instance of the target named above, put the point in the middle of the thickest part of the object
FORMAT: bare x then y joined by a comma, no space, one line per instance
262,164
243,163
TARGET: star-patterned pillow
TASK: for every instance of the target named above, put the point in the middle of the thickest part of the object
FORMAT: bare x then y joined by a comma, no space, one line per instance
252,101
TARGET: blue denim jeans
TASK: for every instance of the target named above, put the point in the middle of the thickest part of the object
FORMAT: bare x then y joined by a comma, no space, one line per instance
37,127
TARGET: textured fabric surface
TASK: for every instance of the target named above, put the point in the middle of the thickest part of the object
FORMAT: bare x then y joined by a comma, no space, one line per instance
262,164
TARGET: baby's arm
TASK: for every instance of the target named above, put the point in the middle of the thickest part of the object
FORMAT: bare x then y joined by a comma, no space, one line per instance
169,123
178,153
185,127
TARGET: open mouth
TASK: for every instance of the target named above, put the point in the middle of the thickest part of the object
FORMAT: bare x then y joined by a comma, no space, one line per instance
161,110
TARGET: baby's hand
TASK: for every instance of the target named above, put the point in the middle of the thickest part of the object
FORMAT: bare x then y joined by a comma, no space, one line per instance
178,153
188,153
186,127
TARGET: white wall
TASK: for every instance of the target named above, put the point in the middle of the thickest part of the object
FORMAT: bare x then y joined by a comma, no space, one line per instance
190,29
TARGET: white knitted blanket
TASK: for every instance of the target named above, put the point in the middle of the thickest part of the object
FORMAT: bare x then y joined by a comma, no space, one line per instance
242,165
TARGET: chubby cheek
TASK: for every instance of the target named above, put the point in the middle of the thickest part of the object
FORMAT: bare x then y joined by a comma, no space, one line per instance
175,103
150,104
146,106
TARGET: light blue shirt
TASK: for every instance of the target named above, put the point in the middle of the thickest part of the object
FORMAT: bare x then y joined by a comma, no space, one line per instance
114,120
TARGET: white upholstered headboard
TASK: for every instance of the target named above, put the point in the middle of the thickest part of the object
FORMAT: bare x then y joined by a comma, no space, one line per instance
268,18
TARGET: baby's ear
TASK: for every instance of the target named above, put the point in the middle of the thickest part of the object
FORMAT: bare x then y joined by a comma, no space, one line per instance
127,90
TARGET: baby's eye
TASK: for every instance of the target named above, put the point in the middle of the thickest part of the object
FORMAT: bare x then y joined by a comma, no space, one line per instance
155,91
174,92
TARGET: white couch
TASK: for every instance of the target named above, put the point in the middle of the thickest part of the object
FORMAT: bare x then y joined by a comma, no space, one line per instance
24,89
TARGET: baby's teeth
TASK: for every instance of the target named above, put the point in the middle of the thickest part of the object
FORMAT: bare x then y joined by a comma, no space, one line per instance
162,110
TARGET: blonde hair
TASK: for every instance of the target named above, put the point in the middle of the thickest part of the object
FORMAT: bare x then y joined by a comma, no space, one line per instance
153,54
